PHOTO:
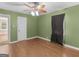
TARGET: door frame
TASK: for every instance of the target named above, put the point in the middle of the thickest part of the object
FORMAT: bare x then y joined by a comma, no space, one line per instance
17,28
62,26
9,25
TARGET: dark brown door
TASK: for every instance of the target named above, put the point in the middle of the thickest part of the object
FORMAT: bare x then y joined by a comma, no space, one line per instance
57,29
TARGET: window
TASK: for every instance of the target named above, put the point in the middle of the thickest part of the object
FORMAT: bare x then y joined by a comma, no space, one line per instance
3,23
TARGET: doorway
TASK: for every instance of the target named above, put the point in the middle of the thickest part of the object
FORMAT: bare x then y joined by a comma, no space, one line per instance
57,29
4,29
21,28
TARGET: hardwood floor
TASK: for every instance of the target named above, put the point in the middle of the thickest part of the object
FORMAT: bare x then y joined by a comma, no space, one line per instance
40,48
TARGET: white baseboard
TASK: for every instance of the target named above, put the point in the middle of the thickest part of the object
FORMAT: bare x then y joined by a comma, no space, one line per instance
32,38
43,38
66,45
73,47
24,39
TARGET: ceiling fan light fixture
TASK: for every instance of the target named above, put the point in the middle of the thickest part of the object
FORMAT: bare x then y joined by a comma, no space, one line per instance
37,13
32,13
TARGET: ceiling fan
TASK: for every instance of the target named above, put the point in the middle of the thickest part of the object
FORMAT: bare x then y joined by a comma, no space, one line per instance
37,8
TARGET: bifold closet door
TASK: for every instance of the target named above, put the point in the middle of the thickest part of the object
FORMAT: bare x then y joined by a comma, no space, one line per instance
21,28
57,29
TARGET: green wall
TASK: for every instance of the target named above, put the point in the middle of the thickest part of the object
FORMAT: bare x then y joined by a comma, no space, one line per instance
31,24
71,25
41,25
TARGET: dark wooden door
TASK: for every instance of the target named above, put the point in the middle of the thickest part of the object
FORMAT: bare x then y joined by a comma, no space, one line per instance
57,29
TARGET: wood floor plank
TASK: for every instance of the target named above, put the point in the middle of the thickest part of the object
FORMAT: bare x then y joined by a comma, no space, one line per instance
40,48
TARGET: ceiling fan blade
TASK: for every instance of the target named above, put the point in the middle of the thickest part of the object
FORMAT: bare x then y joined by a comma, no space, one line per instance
41,9
28,5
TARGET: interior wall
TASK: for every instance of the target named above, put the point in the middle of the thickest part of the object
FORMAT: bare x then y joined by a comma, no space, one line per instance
41,25
31,24
71,25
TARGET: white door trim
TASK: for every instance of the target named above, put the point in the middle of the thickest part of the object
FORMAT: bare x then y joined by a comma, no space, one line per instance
9,24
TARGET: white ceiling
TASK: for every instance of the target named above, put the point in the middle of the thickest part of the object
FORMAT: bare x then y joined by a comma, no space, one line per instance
50,6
